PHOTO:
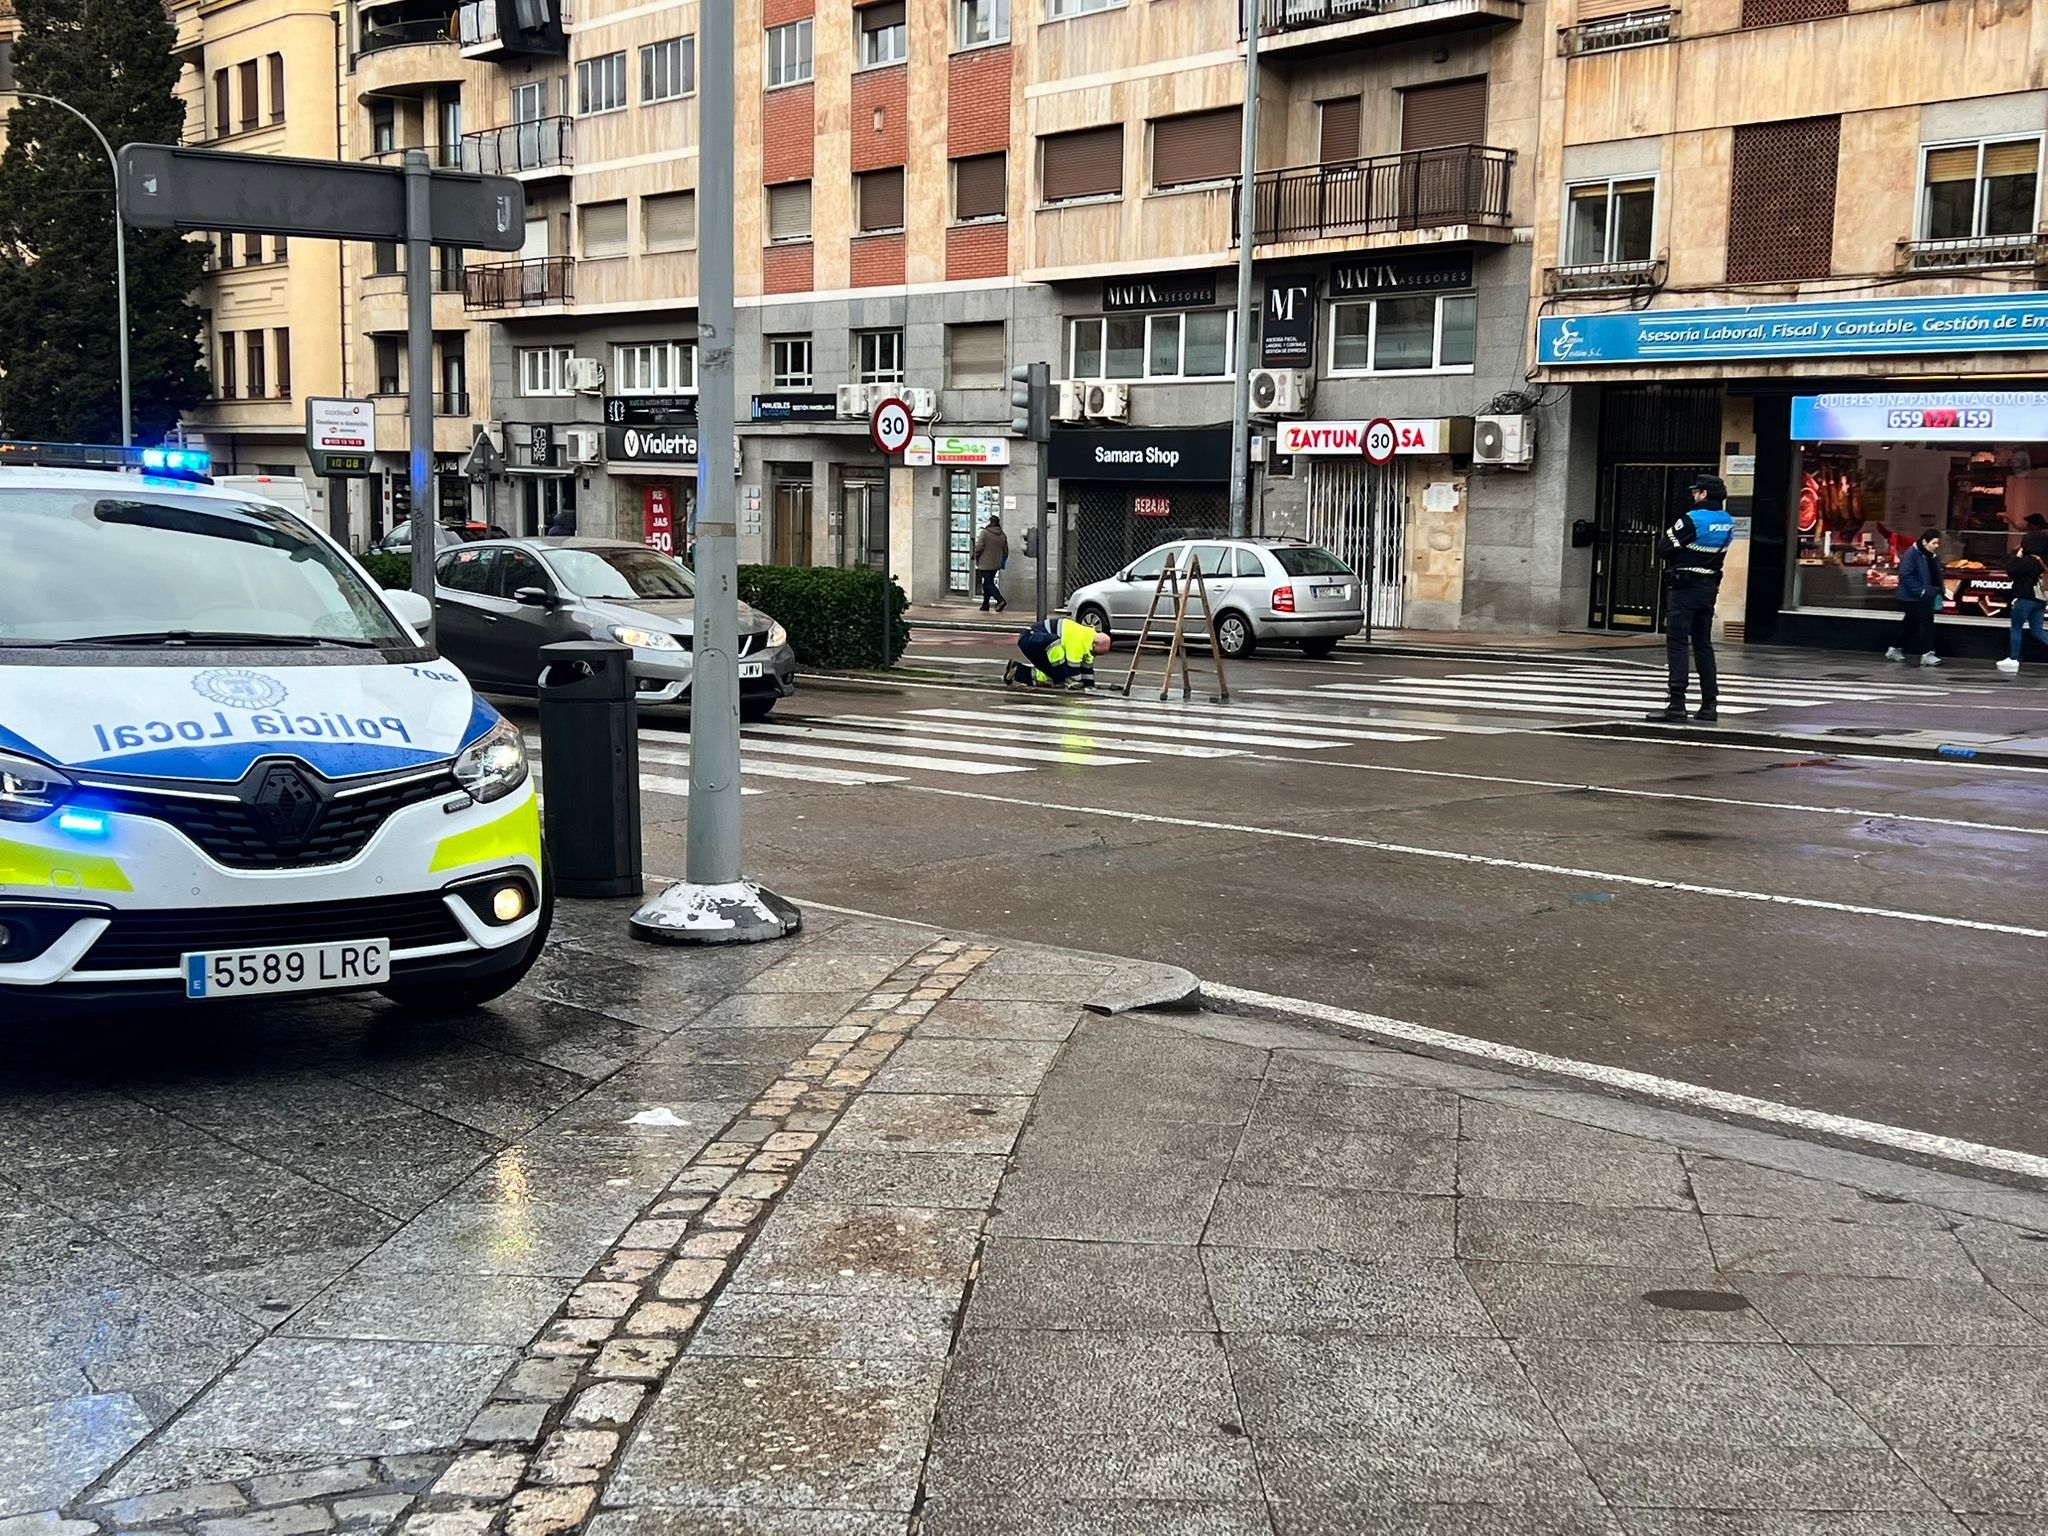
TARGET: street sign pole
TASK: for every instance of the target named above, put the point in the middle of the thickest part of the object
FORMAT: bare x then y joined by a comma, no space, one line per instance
337,509
715,903
419,362
891,427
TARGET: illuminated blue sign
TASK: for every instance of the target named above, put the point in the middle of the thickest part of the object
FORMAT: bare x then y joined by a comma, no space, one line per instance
1945,416
1857,328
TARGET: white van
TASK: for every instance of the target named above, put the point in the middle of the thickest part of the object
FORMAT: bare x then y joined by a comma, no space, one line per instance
286,490
228,767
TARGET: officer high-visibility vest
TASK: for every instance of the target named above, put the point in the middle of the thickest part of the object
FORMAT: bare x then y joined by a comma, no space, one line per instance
1074,647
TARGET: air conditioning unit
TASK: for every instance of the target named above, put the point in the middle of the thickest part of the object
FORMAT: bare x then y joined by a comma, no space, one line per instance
583,445
1109,402
857,401
586,375
923,403
1072,404
1509,441
1279,391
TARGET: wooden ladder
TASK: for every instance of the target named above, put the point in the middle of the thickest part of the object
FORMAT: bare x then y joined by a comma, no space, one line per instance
1179,594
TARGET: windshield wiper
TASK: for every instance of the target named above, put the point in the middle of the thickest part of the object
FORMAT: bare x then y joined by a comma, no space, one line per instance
212,637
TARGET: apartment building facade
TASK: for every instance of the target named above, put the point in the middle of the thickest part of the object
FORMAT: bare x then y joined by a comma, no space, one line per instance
263,77
1799,243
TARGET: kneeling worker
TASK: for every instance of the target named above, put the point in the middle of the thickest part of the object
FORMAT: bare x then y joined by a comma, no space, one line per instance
1061,653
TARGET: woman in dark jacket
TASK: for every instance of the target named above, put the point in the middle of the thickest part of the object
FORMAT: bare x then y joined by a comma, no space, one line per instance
1920,593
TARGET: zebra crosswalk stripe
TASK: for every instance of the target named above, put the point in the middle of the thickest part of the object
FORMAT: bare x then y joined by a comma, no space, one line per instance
1130,722
809,773
1497,706
1636,688
938,743
845,754
1453,695
1077,737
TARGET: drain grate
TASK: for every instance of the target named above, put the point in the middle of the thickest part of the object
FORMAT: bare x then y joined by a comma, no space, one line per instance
1698,1301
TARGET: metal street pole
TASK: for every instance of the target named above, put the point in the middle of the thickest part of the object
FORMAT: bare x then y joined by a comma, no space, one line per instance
419,362
715,903
1247,235
120,253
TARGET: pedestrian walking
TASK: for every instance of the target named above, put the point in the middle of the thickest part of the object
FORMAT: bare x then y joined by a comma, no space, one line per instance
991,554
2028,569
1920,593
1694,550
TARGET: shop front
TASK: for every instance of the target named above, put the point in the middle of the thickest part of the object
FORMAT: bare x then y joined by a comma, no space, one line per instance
1124,490
1873,470
650,451
971,486
1399,524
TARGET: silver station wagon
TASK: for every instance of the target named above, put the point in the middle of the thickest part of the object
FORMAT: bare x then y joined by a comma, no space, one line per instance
1261,590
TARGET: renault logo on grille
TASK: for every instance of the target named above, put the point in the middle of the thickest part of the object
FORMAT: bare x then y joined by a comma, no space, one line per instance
286,805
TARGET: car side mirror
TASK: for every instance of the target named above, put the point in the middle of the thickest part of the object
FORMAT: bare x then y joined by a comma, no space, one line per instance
534,597
412,609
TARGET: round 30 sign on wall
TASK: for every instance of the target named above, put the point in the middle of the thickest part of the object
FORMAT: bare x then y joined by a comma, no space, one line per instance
1380,441
892,426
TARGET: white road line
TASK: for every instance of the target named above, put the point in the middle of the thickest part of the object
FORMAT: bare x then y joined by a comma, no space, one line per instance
1489,861
1356,727
1759,682
1635,690
662,784
1001,750
1461,693
1423,700
1672,794
1643,1085
1044,735
884,759
1308,739
1799,751
1367,712
803,772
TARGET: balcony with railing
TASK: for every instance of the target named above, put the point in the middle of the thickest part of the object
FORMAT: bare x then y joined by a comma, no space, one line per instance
1459,192
530,283
402,24
1651,24
1645,276
480,29
1287,26
404,47
1974,253
538,149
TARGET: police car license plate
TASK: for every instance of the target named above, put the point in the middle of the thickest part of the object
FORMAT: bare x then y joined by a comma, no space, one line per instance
291,968
750,669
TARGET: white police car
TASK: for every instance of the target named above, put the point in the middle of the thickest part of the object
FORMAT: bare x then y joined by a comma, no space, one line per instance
228,767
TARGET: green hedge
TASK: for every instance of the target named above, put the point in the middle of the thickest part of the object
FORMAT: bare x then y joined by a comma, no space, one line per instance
391,572
834,618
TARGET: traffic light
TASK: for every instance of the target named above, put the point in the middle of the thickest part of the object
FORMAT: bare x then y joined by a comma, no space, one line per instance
1031,401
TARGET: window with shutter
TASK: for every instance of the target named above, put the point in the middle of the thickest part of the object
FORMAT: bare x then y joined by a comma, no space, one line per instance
884,33
1781,200
1451,112
880,197
1087,163
1771,13
789,211
981,187
245,87
277,87
604,229
1973,191
974,356
668,222
1339,131
1602,10
1200,146
222,112
281,349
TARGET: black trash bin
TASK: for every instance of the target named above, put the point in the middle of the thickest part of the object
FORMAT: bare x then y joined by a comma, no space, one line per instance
590,767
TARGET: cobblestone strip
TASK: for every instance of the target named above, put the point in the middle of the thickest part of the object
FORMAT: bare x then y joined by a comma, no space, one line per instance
535,1455
538,1452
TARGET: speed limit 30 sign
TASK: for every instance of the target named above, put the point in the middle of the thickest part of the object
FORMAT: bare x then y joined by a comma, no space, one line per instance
892,426
1380,441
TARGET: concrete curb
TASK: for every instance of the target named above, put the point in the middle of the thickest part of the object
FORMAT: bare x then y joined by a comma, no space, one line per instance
1800,741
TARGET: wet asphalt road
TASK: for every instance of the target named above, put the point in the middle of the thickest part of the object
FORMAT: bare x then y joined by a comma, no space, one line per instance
1343,870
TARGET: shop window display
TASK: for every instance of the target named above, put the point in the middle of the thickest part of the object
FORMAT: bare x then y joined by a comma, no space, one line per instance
1861,507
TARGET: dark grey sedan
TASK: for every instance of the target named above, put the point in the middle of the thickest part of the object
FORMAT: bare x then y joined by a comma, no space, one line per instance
496,603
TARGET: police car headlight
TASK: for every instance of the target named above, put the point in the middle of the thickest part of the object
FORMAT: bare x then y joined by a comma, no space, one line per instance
777,635
29,790
645,639
493,765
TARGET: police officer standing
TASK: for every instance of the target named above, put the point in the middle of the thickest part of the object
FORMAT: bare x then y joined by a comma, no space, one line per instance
1693,552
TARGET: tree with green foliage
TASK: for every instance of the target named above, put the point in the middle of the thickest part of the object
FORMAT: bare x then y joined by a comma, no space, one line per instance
60,370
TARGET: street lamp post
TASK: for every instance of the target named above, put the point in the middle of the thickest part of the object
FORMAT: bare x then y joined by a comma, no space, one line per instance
120,251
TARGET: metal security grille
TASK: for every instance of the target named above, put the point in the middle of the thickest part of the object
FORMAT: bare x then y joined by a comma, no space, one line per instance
1771,13
1104,532
1358,511
1781,200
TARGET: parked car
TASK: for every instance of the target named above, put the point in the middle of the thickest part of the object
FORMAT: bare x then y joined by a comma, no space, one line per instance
1259,589
398,540
499,601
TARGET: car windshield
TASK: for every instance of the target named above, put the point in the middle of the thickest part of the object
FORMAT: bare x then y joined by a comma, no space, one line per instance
152,567
635,575
1301,560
